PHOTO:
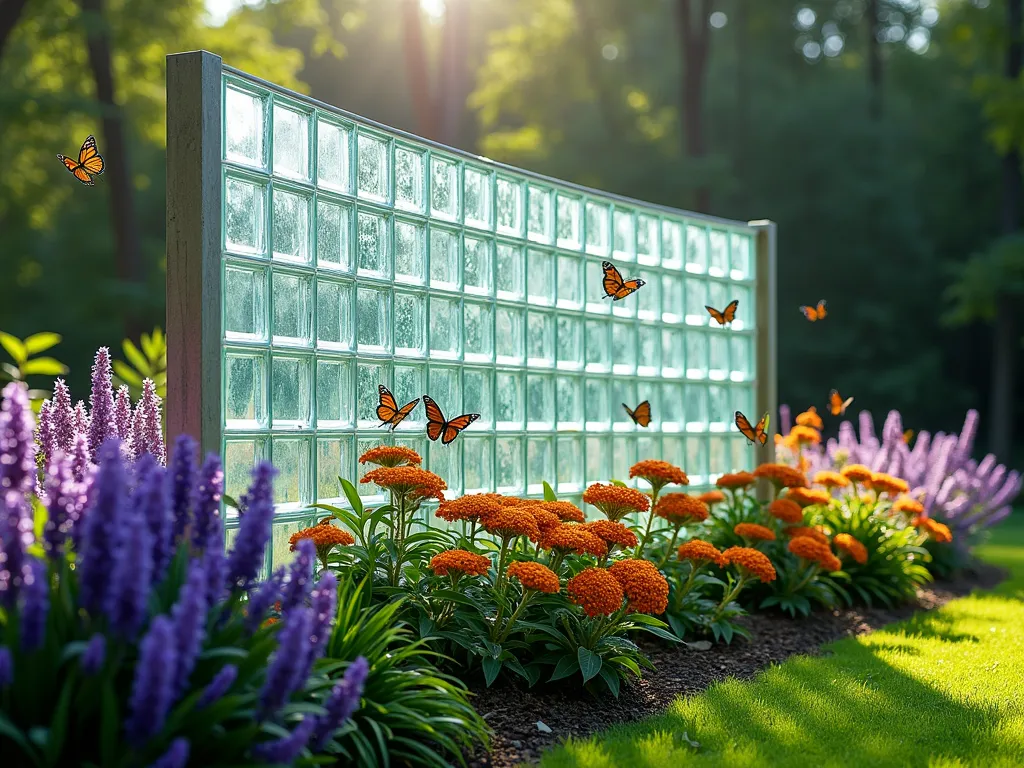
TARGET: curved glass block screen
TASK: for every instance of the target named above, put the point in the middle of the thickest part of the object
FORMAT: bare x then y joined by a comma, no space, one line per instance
354,257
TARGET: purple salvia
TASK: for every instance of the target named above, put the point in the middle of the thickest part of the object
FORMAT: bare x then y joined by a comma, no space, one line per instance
153,684
131,573
81,419
150,426
998,515
284,751
94,655
994,479
63,413
986,467
785,420
342,702
137,439
150,498
182,478
189,616
102,425
1009,491
16,536
892,429
215,565
325,605
261,598
6,666
45,431
286,665
176,755
965,441
123,413
246,556
17,443
101,522
65,500
941,450
81,464
867,428
299,579
206,501
35,604
217,687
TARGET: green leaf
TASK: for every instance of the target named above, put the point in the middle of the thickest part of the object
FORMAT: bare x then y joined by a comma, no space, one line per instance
11,731
492,667
15,347
59,724
43,366
549,492
136,358
125,373
611,679
230,501
352,495
566,666
109,723
619,483
590,663
40,342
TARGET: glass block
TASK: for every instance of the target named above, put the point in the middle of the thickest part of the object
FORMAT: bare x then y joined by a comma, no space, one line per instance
719,413
540,277
623,457
332,151
445,386
245,400
410,384
673,245
539,223
291,143
333,236
718,297
368,492
372,251
508,465
569,222
742,399
293,309
569,342
369,376
597,301
718,357
740,251
509,206
510,325
334,325
476,269
696,249
671,298
291,384
245,303
696,407
570,282
445,327
540,401
741,456
696,465
623,348
598,228
244,124
373,325
372,166
648,446
597,404
244,218
741,357
445,461
334,394
673,450
444,188
291,457
569,402
291,226
598,345
624,246
696,355
623,392
410,324
648,242
410,252
240,457
540,463
444,259
672,411
540,339
649,350
476,191
334,459
509,400
673,353
696,300
511,272
478,332
409,178
746,312
478,462
478,395
598,466
649,296
718,245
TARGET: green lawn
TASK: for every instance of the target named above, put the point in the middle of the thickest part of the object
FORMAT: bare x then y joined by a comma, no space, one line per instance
944,688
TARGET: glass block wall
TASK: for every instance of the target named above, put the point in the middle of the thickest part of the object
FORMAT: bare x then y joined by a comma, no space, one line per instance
354,255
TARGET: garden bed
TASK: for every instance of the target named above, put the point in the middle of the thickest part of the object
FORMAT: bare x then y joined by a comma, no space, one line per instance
513,713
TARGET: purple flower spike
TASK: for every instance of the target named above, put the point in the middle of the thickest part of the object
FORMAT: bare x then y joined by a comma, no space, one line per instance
94,655
123,415
150,498
284,671
325,605
17,446
176,755
153,686
102,424
46,439
182,477
189,615
246,557
220,684
785,420
63,413
215,565
299,579
286,750
81,419
100,527
6,667
206,501
342,702
81,464
261,598
35,604
131,573
149,430
16,536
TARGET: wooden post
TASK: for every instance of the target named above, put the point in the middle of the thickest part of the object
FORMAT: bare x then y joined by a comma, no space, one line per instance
766,299
194,194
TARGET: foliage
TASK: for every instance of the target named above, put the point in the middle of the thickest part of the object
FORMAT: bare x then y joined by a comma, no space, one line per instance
148,360
25,361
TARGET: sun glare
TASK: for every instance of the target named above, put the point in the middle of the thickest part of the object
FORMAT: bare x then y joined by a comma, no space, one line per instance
433,8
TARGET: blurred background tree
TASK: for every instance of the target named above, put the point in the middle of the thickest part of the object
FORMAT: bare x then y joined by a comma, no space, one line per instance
878,134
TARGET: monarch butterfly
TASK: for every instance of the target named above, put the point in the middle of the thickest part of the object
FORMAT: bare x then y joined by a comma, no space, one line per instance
758,434
614,286
727,315
814,313
389,412
836,404
90,161
438,426
908,436
641,414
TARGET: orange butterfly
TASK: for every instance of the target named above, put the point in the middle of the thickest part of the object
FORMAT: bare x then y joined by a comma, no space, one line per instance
836,404
815,313
908,436
641,414
90,161
758,434
727,315
389,412
438,426
614,286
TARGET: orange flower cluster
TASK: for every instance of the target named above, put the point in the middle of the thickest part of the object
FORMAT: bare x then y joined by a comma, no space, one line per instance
407,481
567,511
807,497
659,473
935,529
884,483
567,538
751,561
712,497
612,533
830,479
614,501
786,510
810,418
391,456
813,551
474,508
681,509
700,552
852,547
644,586
535,576
781,475
545,520
909,505
459,560
509,522
754,531
596,591
807,532
323,534
801,435
857,473
736,480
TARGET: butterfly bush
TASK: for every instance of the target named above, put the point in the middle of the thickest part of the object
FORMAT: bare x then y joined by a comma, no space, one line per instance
128,636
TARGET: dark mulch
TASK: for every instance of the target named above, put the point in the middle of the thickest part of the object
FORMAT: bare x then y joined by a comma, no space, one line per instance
513,712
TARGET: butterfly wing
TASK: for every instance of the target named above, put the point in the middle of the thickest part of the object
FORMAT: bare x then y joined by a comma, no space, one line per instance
387,408
761,430
404,411
743,425
629,411
820,310
719,316
836,405
89,157
454,427
435,418
78,170
809,312
642,414
627,288
613,282
730,311
908,436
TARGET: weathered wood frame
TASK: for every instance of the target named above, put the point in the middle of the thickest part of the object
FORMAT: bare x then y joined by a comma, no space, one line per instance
766,298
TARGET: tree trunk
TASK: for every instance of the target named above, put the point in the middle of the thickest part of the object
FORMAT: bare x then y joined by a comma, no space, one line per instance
10,12
115,152
453,82
694,37
874,61
417,70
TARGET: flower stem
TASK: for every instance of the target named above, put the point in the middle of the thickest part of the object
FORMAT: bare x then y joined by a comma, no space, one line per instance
671,546
527,594
729,597
655,489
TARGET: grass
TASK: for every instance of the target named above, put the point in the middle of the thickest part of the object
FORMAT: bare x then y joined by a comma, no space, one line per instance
942,689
